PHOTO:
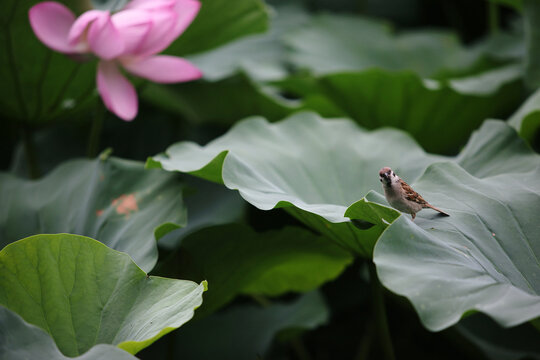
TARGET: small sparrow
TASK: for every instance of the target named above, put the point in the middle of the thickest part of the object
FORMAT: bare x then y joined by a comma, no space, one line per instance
401,196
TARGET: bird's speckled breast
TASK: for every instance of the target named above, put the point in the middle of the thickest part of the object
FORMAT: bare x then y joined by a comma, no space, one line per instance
395,199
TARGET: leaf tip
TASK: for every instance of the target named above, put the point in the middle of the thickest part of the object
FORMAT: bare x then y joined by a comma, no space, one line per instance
204,283
151,163
105,154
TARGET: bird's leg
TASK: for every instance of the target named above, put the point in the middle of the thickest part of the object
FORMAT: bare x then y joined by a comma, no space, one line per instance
413,216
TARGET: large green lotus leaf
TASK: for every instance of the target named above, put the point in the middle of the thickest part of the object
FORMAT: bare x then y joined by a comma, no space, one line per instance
114,200
20,340
526,119
83,294
219,22
237,260
246,332
496,149
439,115
336,43
484,257
37,83
315,168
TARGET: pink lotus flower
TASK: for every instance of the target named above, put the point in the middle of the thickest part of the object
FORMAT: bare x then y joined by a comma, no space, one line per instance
129,38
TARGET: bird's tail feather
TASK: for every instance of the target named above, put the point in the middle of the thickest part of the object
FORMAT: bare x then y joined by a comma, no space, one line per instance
434,208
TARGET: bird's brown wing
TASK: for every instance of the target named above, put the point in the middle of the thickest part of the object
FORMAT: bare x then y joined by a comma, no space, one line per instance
412,195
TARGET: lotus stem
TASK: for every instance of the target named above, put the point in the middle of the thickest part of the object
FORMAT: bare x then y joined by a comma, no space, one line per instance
95,132
493,17
58,100
300,349
379,312
30,152
261,300
13,63
366,341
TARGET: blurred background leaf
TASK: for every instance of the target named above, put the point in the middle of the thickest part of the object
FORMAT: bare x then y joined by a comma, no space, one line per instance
222,102
337,43
268,62
526,120
219,22
236,260
37,83
350,66
114,200
439,115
